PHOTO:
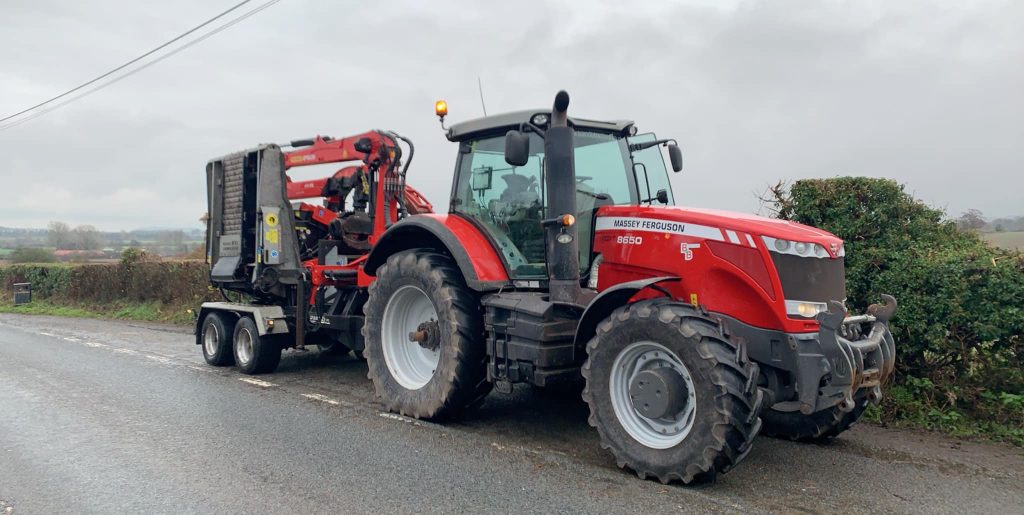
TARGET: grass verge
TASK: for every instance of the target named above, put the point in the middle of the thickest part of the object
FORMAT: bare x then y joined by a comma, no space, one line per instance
146,311
916,403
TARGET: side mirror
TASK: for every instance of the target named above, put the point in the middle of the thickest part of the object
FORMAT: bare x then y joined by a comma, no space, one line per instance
676,156
662,196
517,148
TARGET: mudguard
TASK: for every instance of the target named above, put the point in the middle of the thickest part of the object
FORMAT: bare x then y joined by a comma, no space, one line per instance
608,301
481,266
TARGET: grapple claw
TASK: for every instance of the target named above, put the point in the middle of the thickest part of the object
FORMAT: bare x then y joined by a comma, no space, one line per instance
833,318
883,312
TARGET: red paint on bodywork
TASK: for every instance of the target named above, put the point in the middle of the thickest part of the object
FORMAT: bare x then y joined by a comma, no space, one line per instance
729,269
486,262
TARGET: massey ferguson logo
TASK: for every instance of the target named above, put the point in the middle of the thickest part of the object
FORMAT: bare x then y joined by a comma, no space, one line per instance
648,224
835,248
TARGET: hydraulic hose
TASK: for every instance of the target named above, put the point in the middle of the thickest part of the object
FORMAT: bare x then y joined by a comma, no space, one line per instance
405,169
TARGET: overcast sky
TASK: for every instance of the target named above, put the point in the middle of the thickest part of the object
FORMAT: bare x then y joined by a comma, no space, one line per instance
927,93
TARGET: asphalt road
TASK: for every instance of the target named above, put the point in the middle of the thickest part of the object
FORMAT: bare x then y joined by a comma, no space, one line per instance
109,417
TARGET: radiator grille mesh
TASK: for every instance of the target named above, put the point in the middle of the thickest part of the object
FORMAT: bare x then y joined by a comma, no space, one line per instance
232,220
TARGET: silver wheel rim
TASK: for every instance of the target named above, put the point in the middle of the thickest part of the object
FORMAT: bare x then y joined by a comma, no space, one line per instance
409,363
211,339
659,433
243,346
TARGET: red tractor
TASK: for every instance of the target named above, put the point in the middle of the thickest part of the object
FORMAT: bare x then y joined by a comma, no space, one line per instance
562,259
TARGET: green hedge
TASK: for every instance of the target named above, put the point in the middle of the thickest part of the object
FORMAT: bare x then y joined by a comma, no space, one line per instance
173,286
960,320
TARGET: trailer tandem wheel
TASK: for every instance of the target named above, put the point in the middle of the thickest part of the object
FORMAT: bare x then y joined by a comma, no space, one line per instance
217,340
255,354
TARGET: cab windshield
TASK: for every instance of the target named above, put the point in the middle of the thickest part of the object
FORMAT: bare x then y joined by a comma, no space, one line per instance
510,202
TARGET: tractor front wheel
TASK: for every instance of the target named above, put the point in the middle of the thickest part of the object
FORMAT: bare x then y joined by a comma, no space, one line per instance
425,337
671,397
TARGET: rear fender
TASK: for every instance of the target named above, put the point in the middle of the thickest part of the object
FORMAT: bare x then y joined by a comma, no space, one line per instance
261,314
481,266
610,300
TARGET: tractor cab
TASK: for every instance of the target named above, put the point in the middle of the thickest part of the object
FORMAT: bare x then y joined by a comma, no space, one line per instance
614,166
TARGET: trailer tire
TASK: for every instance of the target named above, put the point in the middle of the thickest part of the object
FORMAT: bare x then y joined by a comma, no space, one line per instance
706,428
254,354
216,340
817,427
414,287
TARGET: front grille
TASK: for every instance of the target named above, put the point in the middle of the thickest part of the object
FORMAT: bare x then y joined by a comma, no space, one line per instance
811,279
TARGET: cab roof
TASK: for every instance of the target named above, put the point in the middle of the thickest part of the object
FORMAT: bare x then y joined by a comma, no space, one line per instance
506,121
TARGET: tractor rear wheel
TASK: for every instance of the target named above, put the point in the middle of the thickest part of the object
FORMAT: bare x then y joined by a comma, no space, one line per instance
816,427
255,354
671,397
425,337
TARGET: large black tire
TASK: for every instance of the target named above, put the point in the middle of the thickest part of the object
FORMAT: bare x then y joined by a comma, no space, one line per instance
215,339
727,400
265,353
459,381
817,427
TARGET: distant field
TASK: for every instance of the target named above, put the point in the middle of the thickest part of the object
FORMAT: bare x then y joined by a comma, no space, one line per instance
1006,240
5,252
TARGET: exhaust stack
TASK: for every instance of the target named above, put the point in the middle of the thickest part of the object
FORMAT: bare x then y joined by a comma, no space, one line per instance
560,180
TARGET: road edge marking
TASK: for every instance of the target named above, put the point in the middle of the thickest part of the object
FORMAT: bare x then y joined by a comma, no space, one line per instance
323,398
258,382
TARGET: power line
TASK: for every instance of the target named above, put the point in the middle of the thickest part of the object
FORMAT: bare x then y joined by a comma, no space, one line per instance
129,63
480,85
143,67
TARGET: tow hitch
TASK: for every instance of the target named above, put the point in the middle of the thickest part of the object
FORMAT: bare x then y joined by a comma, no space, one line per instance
853,361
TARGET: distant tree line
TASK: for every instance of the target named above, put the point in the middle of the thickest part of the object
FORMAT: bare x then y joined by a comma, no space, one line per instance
974,220
83,237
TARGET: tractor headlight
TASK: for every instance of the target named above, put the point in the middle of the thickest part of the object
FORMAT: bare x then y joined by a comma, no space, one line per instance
799,248
805,309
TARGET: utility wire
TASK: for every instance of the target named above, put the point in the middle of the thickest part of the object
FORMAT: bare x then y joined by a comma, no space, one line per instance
480,86
129,63
143,67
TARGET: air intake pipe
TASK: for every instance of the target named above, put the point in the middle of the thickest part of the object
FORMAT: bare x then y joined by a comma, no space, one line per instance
561,238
